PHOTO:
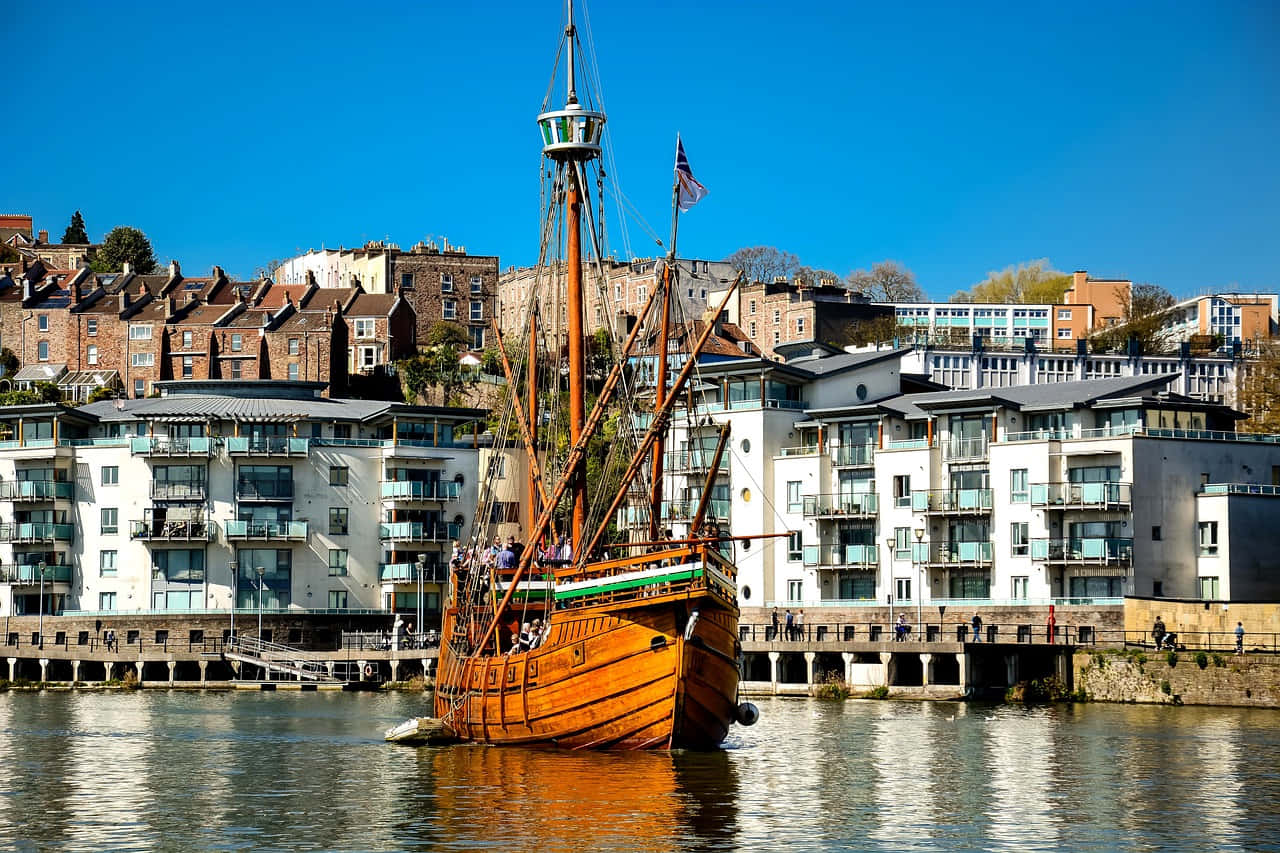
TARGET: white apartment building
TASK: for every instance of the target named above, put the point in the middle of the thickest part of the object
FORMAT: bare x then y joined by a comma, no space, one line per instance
893,491
220,489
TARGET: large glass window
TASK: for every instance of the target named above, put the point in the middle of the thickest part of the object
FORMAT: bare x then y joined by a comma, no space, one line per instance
1018,490
794,549
338,521
1208,539
1019,540
337,561
337,599
107,561
177,579
110,520
264,482
277,577
794,501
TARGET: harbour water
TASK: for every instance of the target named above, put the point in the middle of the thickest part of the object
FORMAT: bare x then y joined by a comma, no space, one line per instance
158,770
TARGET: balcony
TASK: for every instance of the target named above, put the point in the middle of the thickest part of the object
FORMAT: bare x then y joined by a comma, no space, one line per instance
165,446
37,491
165,490
801,450
408,573
265,490
833,556
171,531
964,449
1100,496
958,554
952,501
1097,551
717,510
36,532
418,531
853,454
21,574
859,505
267,446
696,462
281,531
420,490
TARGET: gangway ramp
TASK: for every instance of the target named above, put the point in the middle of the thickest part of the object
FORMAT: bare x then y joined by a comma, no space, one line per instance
274,657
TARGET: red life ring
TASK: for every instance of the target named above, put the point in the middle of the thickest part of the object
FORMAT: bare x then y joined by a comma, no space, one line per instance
368,670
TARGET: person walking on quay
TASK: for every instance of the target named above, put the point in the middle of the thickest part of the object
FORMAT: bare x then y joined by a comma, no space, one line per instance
1157,631
790,624
800,625
977,628
775,623
1239,638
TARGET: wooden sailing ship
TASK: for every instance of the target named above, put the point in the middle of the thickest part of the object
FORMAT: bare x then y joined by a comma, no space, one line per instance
639,649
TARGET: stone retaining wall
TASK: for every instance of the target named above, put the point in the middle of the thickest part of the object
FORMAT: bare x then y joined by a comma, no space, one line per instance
1139,676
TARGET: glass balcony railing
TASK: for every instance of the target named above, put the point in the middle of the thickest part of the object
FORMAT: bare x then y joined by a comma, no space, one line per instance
158,445
291,531
965,448
172,490
1098,550
418,490
37,531
199,531
691,461
37,490
264,490
717,510
419,531
959,553
408,572
1239,489
957,501
1081,495
859,504
908,444
267,446
841,555
854,454
23,574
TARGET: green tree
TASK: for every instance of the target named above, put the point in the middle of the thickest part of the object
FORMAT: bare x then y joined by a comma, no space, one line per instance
125,244
1033,282
886,281
436,364
1144,319
75,232
443,333
8,361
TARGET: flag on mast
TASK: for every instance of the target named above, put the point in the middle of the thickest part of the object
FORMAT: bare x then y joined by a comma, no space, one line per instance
691,192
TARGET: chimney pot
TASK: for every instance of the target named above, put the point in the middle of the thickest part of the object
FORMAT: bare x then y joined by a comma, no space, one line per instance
42,236
174,269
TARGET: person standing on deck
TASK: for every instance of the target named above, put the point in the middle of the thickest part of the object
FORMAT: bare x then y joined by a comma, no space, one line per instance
800,625
977,628
775,623
1158,632
1239,638
789,624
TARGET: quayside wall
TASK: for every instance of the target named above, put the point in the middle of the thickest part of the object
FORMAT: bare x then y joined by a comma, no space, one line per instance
1145,676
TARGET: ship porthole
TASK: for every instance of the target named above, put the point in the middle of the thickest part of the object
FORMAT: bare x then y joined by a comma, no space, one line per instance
746,593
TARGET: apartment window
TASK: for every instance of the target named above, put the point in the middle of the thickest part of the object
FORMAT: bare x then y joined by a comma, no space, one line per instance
902,490
366,358
91,327
477,285
1064,313
338,521
1156,533
337,599
364,327
477,337
293,345
446,283
42,322
110,475
641,293
107,561
42,351
142,359
794,549
406,280
188,367
477,309
794,502
110,520
498,467
795,589
139,332
91,354
1019,590
777,337
799,325
1064,332
777,316
902,588
752,330
139,388
1209,588
186,340
337,561
106,601
449,309
338,475
1019,543
751,307
1208,539
902,543
1018,492
293,372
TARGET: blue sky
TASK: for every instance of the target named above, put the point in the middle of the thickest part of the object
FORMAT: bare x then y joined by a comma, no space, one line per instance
1134,140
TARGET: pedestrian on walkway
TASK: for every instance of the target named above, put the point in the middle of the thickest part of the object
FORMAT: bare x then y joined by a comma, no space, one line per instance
977,628
800,625
775,623
1239,638
1158,632
789,624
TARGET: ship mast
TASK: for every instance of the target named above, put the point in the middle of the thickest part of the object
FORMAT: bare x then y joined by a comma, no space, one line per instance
571,138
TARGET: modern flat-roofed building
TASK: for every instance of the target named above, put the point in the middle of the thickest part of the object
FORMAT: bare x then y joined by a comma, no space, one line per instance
220,489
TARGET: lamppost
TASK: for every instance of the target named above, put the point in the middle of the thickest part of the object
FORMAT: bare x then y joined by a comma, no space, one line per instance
890,552
40,628
422,567
920,588
261,571
234,568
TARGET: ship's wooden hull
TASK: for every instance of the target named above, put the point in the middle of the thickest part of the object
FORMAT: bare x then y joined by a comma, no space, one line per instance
608,676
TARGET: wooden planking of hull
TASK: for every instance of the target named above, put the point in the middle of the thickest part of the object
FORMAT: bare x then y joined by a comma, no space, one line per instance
608,677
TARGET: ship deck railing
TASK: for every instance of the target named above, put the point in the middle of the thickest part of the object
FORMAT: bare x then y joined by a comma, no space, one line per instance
663,571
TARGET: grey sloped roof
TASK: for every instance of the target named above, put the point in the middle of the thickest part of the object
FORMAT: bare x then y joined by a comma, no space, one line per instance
1047,395
828,365
223,407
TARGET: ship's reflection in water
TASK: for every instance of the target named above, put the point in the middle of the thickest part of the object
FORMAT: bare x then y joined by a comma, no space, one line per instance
176,771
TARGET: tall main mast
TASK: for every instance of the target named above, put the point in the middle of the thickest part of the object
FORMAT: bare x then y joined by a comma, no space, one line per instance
571,138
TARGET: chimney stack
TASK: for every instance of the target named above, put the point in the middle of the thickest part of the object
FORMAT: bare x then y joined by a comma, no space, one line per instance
124,300
127,268
218,273
76,294
169,308
174,269
42,236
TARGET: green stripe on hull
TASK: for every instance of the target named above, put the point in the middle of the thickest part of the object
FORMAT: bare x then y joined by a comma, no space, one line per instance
634,583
